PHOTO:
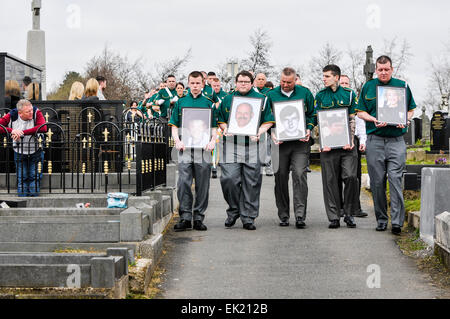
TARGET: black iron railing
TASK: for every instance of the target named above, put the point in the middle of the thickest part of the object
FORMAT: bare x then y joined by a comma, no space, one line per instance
89,155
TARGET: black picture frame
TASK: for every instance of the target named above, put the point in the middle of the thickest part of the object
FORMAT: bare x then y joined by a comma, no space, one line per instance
278,107
401,109
328,117
251,129
188,116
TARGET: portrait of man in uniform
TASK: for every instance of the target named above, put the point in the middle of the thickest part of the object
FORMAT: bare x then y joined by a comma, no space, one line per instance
391,105
333,128
244,117
195,130
290,120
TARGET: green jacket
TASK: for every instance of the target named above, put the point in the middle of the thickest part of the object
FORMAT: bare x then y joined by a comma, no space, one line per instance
368,103
189,101
300,93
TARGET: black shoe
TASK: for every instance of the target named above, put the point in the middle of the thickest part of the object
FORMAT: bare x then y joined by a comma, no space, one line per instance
334,224
300,224
214,174
249,226
284,223
381,227
198,225
360,214
230,221
308,170
350,221
182,225
396,230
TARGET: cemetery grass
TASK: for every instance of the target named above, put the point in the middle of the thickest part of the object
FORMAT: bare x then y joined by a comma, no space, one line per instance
412,246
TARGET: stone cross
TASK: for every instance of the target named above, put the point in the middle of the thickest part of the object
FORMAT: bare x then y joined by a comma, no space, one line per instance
106,133
36,8
369,67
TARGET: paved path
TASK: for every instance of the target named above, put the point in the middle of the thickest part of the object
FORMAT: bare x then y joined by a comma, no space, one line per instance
279,262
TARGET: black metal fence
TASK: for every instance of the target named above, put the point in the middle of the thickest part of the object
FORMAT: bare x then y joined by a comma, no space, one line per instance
87,155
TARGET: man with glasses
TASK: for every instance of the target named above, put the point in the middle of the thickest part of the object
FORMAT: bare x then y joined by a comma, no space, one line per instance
240,165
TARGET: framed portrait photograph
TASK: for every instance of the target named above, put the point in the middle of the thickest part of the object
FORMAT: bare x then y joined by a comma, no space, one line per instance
290,120
391,105
334,130
195,127
245,115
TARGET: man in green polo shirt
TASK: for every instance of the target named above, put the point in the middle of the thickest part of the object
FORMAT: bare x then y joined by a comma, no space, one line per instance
342,161
193,163
167,96
217,87
260,82
207,89
240,164
385,147
294,153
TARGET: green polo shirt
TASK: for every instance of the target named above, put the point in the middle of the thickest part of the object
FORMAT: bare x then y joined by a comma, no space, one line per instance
342,97
225,107
300,93
368,103
163,94
221,94
189,101
209,93
263,91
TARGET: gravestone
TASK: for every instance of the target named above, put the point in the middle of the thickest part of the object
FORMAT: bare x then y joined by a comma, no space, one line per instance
434,200
439,132
425,125
410,136
417,129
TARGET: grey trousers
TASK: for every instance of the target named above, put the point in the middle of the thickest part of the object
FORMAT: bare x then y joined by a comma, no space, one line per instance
291,155
200,170
241,187
386,160
335,163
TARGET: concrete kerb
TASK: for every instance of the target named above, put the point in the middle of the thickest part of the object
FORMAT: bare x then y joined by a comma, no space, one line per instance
58,270
442,241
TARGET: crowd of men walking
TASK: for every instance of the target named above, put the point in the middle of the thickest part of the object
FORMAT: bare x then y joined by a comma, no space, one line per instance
241,163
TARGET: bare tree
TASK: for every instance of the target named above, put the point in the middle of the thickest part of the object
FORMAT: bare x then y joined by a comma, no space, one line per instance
400,53
223,74
439,81
328,54
122,75
354,68
173,66
258,60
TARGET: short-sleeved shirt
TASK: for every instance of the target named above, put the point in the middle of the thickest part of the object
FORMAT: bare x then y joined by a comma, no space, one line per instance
165,94
368,103
299,93
189,101
342,97
225,108
263,91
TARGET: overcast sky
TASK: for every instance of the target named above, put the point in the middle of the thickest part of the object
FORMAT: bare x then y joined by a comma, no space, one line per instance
215,30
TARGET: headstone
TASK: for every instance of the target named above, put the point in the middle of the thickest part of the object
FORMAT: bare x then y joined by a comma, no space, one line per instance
425,125
410,136
439,131
417,129
434,200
